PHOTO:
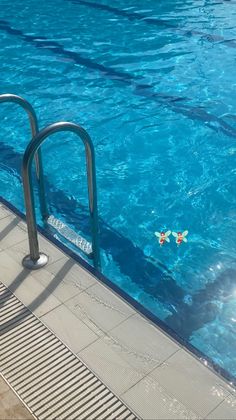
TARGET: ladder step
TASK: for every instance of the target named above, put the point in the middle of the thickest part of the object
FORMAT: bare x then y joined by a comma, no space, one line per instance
70,235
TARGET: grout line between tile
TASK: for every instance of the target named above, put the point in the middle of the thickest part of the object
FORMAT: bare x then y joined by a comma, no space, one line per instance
62,304
221,402
53,262
88,345
121,322
47,312
150,372
72,297
4,217
169,394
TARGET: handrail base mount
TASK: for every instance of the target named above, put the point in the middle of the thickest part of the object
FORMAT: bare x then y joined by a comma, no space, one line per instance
27,261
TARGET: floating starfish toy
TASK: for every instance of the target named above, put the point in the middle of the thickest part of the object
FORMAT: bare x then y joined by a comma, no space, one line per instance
180,237
163,237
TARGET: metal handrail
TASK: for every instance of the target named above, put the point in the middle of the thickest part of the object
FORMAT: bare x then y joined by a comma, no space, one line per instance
8,97
36,259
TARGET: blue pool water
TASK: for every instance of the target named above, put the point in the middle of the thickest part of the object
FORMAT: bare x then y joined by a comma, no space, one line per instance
154,85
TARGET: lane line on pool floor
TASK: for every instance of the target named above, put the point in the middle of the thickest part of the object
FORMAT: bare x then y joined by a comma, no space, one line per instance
174,103
151,20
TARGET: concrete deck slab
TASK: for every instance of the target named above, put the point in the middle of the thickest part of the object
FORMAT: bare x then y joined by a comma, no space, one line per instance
225,410
195,383
19,280
9,235
99,308
65,279
153,401
110,366
141,343
77,337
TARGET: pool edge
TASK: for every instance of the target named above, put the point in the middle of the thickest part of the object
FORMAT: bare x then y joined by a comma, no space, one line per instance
206,361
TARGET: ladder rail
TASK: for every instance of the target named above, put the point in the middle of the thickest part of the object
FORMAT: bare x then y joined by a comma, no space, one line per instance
8,97
36,259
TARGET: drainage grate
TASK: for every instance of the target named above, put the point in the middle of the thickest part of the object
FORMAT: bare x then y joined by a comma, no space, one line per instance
51,381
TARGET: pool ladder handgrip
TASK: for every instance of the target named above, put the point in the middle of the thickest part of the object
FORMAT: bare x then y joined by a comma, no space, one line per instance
37,259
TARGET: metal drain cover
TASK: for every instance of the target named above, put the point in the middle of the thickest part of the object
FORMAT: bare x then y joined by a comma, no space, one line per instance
51,381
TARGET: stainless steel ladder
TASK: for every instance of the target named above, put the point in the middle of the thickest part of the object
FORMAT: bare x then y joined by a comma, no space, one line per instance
38,259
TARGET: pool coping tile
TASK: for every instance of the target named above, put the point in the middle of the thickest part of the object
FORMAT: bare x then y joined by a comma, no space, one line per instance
99,308
198,388
225,410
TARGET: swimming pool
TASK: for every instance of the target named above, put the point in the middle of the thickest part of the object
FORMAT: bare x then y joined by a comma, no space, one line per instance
154,87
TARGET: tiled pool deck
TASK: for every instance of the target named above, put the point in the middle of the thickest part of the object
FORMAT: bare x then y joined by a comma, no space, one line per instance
151,373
